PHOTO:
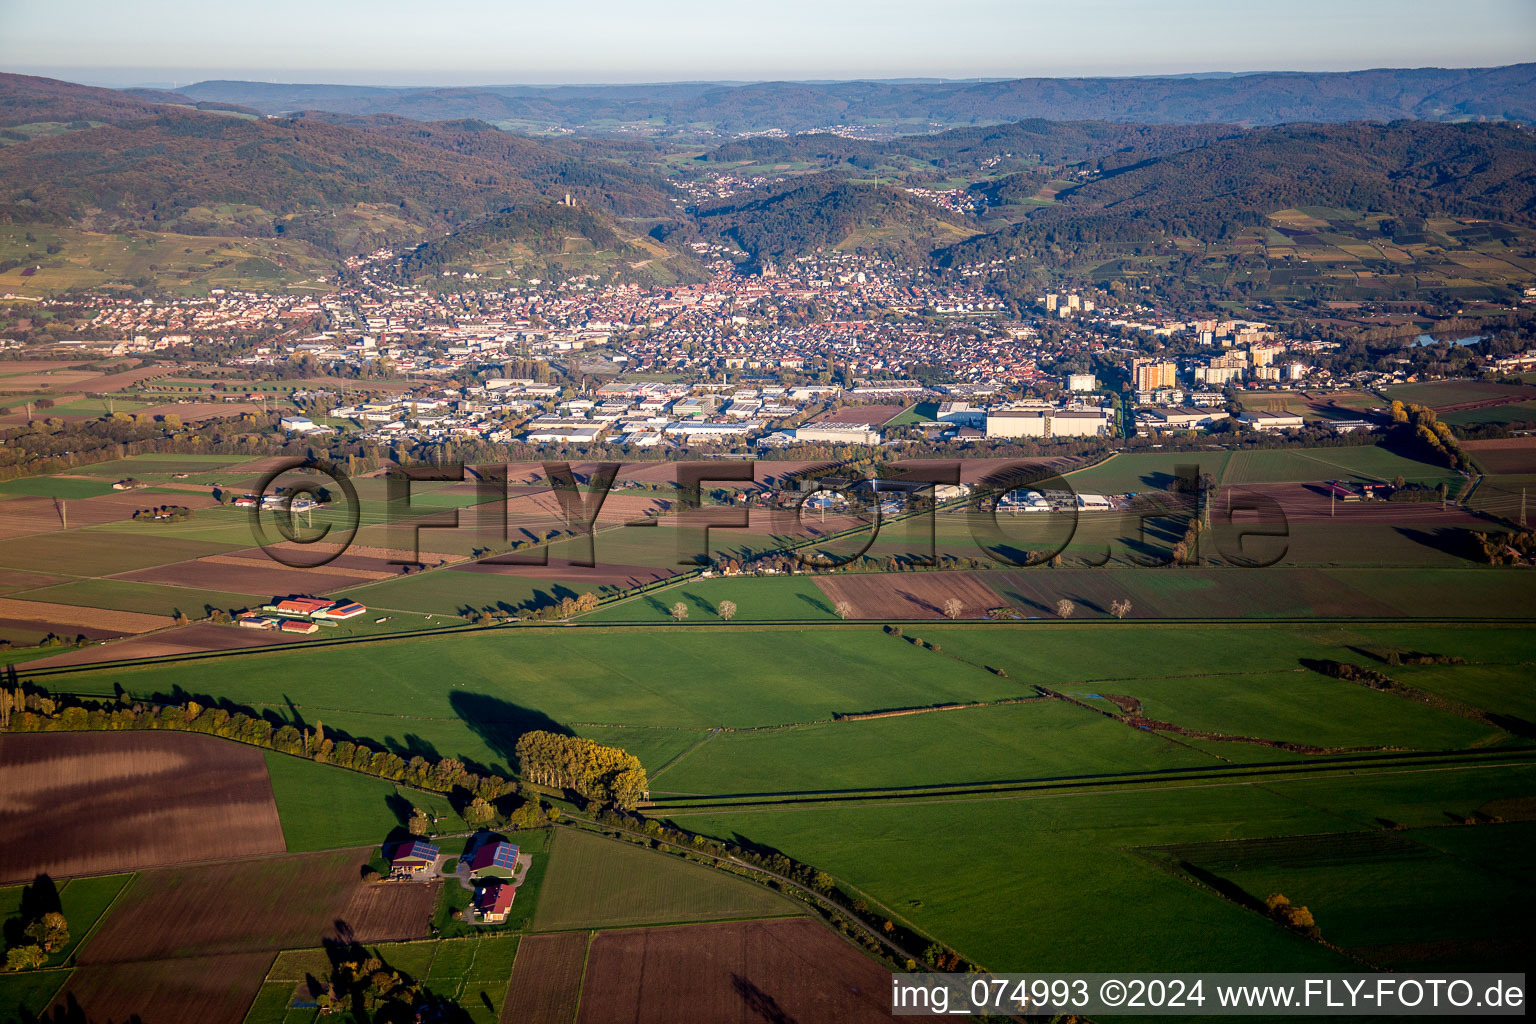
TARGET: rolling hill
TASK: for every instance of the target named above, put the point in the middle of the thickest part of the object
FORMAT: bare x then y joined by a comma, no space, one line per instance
826,211
1439,94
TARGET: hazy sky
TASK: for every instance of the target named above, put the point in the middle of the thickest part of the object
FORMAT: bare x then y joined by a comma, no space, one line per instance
112,42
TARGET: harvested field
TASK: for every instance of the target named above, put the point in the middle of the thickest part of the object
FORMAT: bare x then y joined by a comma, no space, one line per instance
788,970
26,631
117,381
915,595
73,617
198,638
333,568
248,906
12,581
115,508
251,576
546,979
91,803
1505,454
874,415
196,412
208,990
26,515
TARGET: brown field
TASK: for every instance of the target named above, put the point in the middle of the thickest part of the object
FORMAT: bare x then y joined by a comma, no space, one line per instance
69,616
333,568
208,990
196,412
915,595
12,580
92,803
116,507
23,515
253,576
871,414
117,381
14,366
247,906
27,514
546,979
739,972
58,380
24,631
198,638
1505,454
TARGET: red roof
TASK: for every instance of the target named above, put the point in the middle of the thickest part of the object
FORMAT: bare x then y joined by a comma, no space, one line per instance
497,899
303,605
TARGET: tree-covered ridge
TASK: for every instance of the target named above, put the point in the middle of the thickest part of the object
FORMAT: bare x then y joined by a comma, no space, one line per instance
1023,144
826,211
1405,170
1384,94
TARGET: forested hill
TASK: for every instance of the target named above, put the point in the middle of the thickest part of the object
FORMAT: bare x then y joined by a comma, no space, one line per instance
994,148
827,211
1406,169
1448,94
100,160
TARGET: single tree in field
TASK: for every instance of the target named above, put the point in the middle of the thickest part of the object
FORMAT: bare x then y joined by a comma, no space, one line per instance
727,610
953,608
1120,608
419,824
843,609
1065,608
679,611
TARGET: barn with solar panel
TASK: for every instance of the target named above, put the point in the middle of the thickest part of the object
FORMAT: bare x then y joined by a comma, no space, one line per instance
497,859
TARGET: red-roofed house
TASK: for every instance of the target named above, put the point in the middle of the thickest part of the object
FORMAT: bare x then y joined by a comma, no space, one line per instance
495,901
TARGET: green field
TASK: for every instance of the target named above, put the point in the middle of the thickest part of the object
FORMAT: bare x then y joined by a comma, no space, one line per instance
472,971
1052,882
1438,895
82,901
151,598
23,997
757,599
56,487
674,681
1000,743
323,807
595,881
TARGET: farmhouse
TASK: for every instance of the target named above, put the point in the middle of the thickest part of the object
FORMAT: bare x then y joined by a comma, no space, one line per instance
342,610
305,606
297,626
495,901
413,859
257,622
496,859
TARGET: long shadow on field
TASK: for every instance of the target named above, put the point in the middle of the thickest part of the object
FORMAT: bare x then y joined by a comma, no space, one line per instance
759,1002
1445,539
820,606
500,722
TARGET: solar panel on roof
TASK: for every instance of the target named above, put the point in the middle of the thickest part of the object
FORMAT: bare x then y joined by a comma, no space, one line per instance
505,856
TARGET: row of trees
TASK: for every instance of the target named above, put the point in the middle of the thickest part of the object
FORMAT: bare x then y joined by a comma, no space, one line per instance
597,772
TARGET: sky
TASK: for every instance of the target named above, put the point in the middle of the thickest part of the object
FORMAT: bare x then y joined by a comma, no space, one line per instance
466,42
